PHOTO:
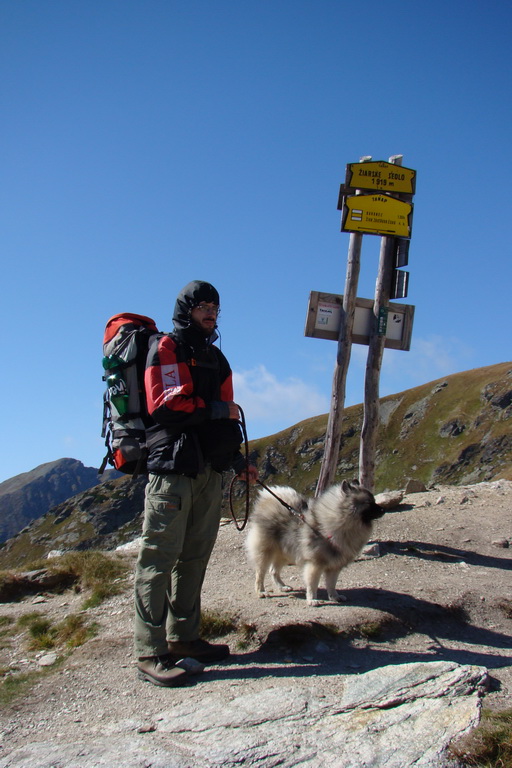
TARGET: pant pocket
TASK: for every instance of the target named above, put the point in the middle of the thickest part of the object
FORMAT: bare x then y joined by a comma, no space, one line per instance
163,523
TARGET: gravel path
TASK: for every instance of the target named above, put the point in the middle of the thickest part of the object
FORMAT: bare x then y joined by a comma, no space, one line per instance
440,588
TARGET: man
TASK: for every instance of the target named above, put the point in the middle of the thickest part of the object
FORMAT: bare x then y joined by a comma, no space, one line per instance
196,436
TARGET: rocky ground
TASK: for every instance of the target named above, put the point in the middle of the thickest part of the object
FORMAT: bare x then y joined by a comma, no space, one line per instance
437,587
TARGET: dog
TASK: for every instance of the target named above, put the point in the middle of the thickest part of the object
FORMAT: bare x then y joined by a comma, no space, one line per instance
322,535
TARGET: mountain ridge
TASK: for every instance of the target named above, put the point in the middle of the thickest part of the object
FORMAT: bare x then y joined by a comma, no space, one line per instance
455,430
29,495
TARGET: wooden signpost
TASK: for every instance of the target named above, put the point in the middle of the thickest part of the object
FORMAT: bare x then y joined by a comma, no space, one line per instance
388,213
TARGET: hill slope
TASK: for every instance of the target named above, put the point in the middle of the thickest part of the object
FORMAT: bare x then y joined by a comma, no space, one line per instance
453,431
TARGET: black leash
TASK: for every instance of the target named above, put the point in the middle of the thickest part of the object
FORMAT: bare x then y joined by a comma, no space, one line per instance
291,510
285,504
239,527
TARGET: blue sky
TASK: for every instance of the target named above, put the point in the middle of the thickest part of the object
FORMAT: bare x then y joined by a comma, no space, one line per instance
146,144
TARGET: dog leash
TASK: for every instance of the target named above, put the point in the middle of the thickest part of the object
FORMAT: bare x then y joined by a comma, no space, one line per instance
240,526
285,504
295,512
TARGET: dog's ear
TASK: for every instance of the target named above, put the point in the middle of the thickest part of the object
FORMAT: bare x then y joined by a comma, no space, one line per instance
347,486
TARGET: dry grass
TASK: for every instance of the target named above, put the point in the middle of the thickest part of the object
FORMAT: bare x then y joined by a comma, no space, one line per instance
217,624
71,632
99,574
489,745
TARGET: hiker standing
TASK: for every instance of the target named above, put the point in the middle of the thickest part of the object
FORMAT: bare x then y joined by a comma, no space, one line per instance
196,436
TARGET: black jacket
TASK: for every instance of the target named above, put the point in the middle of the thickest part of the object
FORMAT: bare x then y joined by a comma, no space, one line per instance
188,381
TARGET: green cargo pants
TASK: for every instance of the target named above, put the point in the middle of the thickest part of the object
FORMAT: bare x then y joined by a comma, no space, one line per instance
181,522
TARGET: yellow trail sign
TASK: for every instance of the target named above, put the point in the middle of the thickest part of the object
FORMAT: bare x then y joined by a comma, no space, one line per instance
379,175
377,215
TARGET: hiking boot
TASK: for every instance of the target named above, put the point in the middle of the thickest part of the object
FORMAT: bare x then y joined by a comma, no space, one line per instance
200,650
160,670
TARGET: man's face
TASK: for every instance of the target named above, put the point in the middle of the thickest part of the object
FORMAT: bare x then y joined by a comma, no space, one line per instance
205,317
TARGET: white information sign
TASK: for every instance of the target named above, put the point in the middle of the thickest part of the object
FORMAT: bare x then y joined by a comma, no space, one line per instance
324,317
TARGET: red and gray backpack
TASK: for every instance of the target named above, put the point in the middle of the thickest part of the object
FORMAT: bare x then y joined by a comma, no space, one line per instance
125,416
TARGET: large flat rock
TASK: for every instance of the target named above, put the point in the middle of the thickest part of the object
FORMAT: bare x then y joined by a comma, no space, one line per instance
393,717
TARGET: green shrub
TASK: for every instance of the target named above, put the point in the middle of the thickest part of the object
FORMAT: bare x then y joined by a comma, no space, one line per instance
248,635
41,634
94,569
13,686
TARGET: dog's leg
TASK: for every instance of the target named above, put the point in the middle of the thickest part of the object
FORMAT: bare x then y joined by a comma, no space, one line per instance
259,584
331,577
312,574
275,572
262,566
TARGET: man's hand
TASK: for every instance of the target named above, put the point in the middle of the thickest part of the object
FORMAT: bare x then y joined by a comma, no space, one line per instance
234,411
249,474
219,409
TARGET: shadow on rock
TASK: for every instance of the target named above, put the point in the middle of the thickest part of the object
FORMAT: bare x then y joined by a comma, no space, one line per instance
438,552
311,648
432,619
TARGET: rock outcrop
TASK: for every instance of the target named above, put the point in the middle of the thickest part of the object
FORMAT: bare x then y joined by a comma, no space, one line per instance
391,717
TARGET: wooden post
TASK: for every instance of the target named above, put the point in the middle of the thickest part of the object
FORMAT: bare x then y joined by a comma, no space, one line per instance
369,431
333,433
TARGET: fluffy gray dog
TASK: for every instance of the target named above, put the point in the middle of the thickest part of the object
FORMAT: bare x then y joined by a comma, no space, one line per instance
322,535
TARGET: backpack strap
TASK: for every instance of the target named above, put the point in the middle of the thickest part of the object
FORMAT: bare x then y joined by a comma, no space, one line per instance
186,353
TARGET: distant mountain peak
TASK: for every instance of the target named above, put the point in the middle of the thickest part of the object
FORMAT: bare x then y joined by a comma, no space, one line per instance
30,495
